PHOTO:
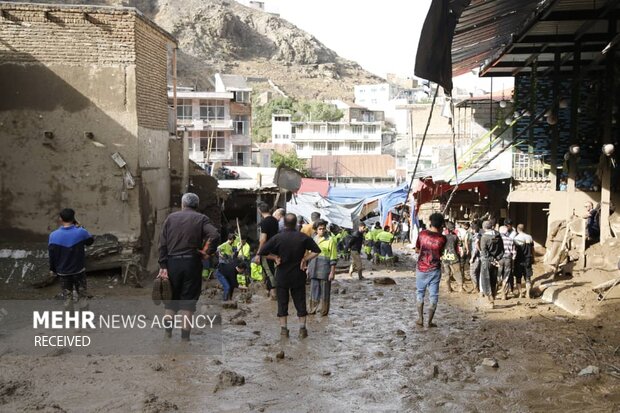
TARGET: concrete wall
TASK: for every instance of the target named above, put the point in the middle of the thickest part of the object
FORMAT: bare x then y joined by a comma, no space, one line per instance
70,71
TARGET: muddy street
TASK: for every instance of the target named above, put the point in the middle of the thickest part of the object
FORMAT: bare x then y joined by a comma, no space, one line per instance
367,355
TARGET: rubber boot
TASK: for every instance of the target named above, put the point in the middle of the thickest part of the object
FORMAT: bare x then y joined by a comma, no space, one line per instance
528,290
68,299
431,314
185,335
420,320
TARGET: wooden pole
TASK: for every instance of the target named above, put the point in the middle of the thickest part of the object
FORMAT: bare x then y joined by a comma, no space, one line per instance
607,131
555,129
574,116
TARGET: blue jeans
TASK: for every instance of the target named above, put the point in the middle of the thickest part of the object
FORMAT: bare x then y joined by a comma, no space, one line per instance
225,284
430,280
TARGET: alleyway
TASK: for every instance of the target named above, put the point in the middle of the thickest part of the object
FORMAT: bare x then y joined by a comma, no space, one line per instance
367,356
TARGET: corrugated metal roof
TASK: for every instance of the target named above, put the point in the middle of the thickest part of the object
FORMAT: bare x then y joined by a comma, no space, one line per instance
493,34
485,27
353,166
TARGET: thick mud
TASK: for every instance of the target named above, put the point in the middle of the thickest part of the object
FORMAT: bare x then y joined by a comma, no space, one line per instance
367,355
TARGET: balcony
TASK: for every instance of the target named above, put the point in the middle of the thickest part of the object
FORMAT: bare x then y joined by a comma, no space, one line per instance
529,168
204,124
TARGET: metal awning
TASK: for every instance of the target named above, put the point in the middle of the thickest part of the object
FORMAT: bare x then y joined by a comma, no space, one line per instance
504,37
445,174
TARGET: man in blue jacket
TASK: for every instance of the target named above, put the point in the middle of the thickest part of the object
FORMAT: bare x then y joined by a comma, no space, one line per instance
67,257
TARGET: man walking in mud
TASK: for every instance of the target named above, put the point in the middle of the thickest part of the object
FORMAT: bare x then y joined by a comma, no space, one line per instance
268,229
291,250
187,237
354,244
491,251
68,259
429,247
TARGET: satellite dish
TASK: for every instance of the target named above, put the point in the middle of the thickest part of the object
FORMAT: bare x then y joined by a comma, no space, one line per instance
287,178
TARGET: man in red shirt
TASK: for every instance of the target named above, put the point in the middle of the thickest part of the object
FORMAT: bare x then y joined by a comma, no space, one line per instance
429,246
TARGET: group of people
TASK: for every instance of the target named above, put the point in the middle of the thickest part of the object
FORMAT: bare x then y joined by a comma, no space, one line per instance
499,259
290,255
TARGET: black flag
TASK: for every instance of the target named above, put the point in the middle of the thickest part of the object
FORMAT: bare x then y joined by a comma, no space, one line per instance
434,58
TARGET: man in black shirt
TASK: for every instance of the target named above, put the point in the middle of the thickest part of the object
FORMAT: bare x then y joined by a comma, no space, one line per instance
268,229
291,250
451,260
187,236
355,243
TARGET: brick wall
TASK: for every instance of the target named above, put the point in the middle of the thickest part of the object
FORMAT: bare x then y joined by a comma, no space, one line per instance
151,77
48,35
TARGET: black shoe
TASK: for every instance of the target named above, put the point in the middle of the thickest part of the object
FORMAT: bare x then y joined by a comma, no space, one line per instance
303,332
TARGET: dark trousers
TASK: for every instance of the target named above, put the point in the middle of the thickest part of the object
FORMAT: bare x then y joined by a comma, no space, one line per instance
505,273
523,269
76,282
474,273
488,278
299,300
185,276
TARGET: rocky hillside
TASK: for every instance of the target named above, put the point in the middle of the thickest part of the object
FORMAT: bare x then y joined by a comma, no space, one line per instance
225,36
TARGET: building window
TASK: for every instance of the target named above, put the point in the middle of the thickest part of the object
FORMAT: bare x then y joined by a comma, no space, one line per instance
371,129
299,129
277,136
373,101
281,119
316,128
319,146
218,141
300,146
286,136
356,129
241,125
333,146
212,110
355,146
184,109
242,97
333,129
369,146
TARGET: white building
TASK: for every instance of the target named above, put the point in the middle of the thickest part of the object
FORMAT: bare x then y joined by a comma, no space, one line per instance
217,123
375,97
327,138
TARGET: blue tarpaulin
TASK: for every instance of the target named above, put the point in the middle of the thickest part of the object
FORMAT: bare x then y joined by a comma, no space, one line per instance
388,197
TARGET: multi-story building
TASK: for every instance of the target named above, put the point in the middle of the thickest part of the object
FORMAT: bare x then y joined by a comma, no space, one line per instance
357,113
217,123
327,138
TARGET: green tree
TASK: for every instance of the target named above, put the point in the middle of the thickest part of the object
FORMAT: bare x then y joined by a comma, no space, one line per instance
291,160
261,117
315,111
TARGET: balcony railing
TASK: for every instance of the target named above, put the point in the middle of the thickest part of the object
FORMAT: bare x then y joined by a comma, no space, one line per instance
529,168
204,124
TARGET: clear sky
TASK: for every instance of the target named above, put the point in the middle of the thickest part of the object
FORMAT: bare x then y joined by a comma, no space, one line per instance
382,36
